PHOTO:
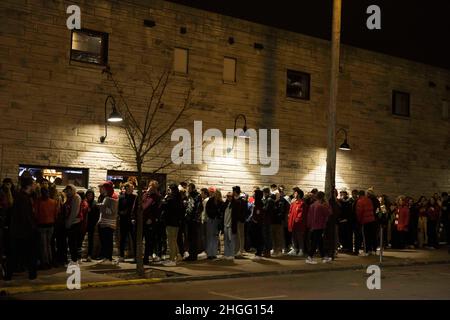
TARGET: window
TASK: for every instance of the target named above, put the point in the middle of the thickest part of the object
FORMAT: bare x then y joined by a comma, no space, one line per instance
180,60
400,103
89,46
297,85
60,176
229,69
119,177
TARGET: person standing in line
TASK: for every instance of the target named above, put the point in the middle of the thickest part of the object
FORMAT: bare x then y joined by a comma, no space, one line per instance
108,220
269,210
366,218
433,215
240,206
93,215
422,237
127,203
172,214
73,221
213,212
23,232
256,227
46,210
317,220
401,222
297,223
445,216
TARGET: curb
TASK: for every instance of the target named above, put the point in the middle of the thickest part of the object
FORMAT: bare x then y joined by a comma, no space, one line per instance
106,284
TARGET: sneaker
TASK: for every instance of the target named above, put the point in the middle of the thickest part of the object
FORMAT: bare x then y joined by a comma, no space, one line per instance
292,253
156,259
326,259
257,258
169,264
202,255
300,253
310,260
229,258
186,255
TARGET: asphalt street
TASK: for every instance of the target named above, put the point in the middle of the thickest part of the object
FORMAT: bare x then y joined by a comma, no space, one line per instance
413,282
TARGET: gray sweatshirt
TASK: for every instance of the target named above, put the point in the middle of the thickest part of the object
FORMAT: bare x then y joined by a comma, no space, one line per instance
108,213
74,214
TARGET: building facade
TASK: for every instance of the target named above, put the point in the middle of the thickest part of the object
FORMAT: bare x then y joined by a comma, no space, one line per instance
52,104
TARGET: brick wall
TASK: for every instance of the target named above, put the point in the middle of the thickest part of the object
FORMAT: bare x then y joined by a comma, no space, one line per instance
53,110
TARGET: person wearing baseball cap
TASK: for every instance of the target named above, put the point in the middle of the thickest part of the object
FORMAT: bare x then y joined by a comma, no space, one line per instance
107,221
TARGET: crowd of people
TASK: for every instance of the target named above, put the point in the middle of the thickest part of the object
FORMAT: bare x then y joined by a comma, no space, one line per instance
42,228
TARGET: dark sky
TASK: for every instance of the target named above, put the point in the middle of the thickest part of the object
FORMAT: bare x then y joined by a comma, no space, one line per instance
416,30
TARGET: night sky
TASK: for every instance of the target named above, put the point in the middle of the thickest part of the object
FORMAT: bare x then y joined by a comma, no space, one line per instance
415,30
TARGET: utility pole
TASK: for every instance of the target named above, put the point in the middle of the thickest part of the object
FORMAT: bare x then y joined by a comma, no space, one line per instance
331,141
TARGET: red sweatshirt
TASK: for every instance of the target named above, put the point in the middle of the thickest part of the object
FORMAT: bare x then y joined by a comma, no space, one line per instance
296,219
318,214
46,211
403,218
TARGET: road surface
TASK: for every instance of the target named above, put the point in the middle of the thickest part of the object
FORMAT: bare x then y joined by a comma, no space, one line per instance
413,282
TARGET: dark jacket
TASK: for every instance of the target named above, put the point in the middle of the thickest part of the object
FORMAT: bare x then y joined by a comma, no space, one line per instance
126,205
193,205
240,206
172,211
346,213
269,210
281,211
23,225
213,209
92,216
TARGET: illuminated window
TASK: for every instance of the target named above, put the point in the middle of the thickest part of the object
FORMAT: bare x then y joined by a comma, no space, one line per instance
89,46
400,103
180,60
297,85
60,176
229,69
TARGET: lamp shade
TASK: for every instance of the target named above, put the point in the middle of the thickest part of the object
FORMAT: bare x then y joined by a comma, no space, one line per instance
244,133
115,116
345,146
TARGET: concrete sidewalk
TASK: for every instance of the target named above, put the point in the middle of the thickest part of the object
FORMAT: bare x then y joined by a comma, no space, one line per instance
100,275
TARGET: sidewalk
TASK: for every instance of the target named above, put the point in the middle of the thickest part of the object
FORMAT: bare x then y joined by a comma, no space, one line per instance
98,275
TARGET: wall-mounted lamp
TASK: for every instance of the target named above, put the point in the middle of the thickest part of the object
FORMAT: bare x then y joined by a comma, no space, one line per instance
344,146
113,117
243,134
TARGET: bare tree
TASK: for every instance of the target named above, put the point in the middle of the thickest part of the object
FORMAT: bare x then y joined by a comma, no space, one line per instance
147,136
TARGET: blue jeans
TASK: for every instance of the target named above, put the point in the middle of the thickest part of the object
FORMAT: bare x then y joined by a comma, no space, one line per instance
212,229
230,242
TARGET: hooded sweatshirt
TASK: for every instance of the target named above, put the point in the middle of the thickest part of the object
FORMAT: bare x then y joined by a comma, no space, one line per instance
72,210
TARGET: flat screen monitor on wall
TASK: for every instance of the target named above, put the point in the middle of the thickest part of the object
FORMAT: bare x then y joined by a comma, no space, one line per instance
60,176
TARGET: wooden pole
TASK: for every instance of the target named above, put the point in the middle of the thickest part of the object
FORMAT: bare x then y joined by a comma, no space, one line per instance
331,141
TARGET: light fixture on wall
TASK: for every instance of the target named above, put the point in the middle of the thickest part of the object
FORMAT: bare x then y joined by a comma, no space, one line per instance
244,132
114,116
344,146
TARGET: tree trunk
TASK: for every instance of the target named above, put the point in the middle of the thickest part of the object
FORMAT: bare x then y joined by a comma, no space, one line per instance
139,222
